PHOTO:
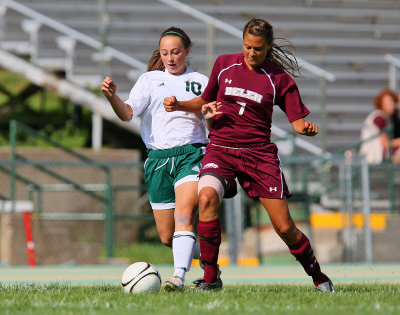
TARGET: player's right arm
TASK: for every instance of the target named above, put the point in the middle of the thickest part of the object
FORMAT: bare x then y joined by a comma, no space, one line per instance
194,105
123,110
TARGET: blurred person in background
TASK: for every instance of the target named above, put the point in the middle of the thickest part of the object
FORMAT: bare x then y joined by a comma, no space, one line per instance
396,132
377,141
238,104
175,143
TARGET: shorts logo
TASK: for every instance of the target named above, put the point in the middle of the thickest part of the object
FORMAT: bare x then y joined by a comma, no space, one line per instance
210,165
196,169
273,188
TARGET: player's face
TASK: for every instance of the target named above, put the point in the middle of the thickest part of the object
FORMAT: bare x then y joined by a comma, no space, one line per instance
388,104
173,54
255,50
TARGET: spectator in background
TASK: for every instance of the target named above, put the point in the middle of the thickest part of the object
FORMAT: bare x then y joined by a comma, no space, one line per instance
377,148
396,134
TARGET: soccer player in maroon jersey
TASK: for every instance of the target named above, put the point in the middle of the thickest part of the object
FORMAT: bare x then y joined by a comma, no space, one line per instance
238,104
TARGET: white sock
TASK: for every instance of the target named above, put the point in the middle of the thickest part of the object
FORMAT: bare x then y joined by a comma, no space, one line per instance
196,253
182,249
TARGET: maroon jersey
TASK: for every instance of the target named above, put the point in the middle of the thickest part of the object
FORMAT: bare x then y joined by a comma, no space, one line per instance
248,97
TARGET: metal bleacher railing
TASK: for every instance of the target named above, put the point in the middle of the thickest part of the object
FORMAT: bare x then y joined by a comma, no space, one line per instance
394,65
101,193
323,75
67,42
103,54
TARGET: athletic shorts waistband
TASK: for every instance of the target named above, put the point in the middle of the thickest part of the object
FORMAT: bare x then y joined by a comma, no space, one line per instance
185,149
240,145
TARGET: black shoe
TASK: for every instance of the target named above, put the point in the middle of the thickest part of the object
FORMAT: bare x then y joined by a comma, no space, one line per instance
200,280
204,286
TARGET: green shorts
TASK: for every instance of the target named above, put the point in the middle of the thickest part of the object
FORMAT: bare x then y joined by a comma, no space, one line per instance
164,170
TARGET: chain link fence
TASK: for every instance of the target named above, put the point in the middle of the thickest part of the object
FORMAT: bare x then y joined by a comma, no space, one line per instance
350,210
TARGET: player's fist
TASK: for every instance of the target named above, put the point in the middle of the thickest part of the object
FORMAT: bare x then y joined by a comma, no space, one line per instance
171,104
310,129
108,88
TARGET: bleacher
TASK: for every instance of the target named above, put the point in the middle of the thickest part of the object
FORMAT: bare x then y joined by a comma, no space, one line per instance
347,38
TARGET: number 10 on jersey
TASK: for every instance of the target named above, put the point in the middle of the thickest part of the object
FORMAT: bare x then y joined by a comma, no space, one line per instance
193,86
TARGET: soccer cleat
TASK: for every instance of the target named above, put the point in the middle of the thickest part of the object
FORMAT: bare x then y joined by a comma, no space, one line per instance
200,280
175,283
204,286
200,285
323,283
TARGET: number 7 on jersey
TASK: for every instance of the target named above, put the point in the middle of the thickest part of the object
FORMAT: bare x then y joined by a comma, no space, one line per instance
242,106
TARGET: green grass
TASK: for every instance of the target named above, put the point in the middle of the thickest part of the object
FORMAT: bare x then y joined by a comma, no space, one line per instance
245,299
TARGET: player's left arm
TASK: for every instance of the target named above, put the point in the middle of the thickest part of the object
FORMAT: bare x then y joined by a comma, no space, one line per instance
209,111
306,128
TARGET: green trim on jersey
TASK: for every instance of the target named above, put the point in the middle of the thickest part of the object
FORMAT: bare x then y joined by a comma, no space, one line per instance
164,168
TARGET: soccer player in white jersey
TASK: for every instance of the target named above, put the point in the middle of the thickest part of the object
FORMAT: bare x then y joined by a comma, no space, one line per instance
175,141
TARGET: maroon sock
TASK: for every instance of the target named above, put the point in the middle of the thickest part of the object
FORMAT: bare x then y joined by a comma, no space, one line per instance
305,255
210,239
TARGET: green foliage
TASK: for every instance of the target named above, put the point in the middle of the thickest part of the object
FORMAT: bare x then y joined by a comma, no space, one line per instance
43,111
69,136
242,299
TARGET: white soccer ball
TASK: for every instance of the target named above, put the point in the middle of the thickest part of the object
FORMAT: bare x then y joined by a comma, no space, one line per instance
141,277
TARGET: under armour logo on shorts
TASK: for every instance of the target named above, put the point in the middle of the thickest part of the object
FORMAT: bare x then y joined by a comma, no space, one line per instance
273,188
210,165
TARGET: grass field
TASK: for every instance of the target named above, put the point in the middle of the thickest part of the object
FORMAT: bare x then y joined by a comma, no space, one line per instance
233,299
267,289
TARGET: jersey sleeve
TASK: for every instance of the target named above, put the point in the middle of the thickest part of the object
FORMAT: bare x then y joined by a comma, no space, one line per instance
139,97
211,91
289,100
380,122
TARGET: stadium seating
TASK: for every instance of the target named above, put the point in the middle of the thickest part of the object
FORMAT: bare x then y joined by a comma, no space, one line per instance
347,38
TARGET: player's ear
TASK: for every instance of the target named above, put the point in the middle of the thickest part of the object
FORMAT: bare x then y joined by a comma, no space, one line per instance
187,51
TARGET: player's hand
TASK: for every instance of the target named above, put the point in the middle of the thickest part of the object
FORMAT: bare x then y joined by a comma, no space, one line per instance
211,110
171,104
310,129
108,88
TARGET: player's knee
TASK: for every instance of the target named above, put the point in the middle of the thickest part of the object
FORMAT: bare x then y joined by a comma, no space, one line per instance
208,200
286,231
166,240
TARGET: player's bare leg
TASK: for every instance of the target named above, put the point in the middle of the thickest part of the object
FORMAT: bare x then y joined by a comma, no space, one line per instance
165,224
298,243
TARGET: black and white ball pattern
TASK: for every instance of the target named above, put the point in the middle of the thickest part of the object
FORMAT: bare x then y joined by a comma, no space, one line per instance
141,277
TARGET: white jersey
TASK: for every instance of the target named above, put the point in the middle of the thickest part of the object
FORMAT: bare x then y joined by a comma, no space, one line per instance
161,129
372,149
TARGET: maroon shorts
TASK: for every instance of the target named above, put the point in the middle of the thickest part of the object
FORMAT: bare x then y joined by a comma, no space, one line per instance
258,170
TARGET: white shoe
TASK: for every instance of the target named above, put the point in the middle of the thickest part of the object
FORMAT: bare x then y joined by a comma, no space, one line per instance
175,283
326,287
